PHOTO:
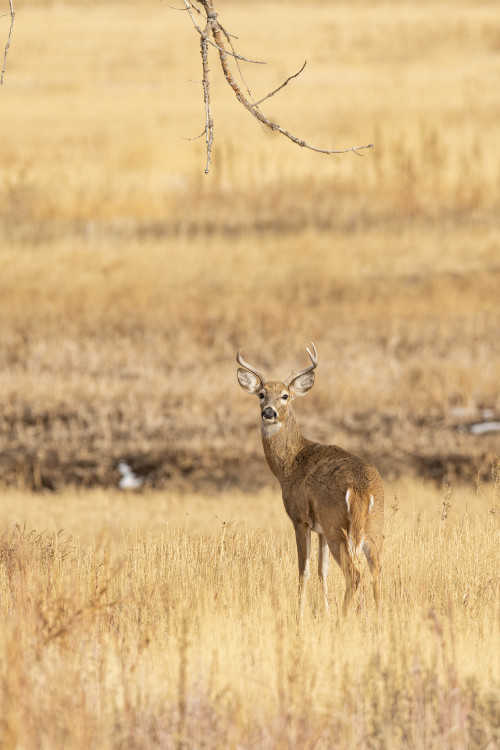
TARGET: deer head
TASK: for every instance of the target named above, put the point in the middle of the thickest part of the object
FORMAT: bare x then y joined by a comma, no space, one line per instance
276,396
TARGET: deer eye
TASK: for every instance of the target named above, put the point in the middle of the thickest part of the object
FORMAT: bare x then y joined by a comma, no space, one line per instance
284,397
261,396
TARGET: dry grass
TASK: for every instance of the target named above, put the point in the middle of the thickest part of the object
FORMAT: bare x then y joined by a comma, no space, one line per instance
86,514
94,122
128,279
128,351
169,638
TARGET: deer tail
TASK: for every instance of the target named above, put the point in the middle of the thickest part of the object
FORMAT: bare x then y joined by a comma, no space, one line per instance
359,503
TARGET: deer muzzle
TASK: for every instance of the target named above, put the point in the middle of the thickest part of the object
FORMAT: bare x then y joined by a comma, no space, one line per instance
269,414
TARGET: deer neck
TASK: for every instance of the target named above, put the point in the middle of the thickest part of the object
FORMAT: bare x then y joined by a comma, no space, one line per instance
282,445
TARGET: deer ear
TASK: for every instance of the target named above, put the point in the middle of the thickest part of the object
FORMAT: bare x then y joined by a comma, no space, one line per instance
249,382
302,384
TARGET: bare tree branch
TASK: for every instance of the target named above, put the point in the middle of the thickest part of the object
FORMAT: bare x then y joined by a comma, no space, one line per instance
189,7
219,36
209,123
228,37
12,16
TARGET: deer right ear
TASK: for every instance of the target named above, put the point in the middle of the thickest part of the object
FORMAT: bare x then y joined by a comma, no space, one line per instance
249,382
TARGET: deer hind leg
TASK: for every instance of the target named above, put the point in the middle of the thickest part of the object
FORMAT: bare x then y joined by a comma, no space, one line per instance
344,560
323,563
371,553
351,575
303,539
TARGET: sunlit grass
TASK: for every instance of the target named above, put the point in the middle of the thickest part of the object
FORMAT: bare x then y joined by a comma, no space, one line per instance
161,636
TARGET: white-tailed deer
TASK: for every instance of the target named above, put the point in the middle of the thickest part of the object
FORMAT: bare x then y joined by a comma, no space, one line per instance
325,488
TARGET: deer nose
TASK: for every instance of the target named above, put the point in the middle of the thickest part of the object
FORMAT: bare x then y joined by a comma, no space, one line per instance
269,413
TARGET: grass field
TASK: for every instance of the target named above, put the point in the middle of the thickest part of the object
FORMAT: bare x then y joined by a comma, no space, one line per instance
128,281
162,636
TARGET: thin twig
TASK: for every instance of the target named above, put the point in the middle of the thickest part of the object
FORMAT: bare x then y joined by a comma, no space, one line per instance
12,16
281,87
221,49
235,55
195,137
190,8
228,37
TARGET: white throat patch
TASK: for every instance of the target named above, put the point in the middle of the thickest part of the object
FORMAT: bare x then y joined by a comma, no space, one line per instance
270,428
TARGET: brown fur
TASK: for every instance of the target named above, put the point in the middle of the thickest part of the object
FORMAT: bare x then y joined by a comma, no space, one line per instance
359,505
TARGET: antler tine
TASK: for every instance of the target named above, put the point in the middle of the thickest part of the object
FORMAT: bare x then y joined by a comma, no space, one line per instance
314,360
248,367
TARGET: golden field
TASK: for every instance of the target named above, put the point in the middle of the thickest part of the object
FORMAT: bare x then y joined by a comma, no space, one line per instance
128,281
157,635
129,278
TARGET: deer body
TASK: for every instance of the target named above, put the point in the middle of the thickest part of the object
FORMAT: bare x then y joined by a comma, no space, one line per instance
325,488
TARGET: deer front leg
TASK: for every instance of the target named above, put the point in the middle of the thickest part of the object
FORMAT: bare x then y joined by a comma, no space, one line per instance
323,563
303,539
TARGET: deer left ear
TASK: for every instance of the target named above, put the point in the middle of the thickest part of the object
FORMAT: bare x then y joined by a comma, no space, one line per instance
302,384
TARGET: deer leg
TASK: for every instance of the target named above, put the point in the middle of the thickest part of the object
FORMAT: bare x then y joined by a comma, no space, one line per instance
303,539
372,556
323,563
351,576
343,559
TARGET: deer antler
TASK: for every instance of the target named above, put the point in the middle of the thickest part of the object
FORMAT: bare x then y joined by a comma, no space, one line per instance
314,360
242,362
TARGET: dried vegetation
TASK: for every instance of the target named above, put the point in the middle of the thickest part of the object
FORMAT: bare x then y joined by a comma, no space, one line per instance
175,639
129,279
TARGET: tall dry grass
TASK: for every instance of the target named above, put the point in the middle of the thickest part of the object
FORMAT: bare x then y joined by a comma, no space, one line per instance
166,638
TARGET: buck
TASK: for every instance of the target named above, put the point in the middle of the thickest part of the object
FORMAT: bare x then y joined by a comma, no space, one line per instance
325,488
